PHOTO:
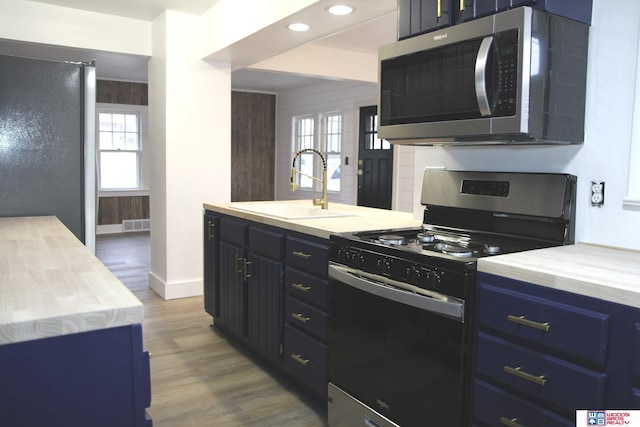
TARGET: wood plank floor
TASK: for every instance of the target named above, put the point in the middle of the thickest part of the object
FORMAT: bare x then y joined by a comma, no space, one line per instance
197,377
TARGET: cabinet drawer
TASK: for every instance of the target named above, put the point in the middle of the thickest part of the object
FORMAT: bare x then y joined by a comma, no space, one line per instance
492,405
308,255
308,288
554,380
571,330
233,231
306,359
306,317
266,242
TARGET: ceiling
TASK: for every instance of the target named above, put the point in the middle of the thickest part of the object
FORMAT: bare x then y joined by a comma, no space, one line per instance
366,37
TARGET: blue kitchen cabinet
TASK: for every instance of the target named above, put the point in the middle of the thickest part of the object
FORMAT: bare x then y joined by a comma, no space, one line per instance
422,16
98,378
255,264
540,354
306,312
250,285
232,284
265,273
211,241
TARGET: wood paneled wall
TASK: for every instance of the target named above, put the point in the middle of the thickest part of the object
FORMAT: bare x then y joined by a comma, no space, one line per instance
253,146
114,92
113,210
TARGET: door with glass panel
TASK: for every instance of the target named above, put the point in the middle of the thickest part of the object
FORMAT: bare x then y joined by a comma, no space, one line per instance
375,163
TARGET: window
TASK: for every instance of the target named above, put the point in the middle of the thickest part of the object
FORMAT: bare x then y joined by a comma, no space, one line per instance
119,148
323,133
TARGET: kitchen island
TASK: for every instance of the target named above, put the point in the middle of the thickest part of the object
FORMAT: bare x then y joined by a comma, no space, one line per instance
70,333
266,279
348,218
557,330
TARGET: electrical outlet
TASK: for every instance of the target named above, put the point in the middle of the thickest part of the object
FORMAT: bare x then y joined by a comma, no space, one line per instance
597,193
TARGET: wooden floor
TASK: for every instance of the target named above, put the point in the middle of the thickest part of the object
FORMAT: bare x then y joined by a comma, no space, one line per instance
197,377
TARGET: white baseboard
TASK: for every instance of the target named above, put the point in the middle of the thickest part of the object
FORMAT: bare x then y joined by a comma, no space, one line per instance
109,229
175,290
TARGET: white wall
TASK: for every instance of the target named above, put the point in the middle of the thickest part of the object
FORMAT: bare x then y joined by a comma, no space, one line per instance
43,23
346,97
192,161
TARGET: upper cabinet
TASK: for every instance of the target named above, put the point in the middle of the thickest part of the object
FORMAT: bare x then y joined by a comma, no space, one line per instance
421,16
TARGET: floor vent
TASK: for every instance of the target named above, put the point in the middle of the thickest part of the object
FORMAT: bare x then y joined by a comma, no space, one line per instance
129,225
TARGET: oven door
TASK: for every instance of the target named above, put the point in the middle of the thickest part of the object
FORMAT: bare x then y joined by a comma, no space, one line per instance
395,357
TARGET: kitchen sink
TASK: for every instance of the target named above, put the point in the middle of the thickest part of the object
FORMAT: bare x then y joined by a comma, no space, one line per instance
289,211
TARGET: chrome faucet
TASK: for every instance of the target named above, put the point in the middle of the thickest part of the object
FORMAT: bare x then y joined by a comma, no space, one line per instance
324,200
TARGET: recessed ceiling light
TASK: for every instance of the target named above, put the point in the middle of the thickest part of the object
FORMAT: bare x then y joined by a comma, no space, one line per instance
340,9
298,27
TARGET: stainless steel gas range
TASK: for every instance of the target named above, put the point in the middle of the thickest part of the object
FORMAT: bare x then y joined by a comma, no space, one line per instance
402,300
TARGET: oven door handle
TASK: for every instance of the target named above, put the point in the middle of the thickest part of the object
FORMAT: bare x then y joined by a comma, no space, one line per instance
402,293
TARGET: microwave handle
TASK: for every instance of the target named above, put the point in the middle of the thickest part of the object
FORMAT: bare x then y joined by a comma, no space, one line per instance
481,76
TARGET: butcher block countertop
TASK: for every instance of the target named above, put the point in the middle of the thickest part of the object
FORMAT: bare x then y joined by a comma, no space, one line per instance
359,218
51,284
606,273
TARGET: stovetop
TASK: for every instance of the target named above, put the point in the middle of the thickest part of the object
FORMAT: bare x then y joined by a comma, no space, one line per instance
453,244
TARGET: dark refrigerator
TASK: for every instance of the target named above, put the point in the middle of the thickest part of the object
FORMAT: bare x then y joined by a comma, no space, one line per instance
47,142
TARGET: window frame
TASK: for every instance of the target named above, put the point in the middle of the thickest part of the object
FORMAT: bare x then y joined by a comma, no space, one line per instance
142,113
320,140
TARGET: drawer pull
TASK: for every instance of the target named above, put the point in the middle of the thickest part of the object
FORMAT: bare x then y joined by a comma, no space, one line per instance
298,358
211,229
301,255
238,270
510,422
520,320
518,372
301,287
247,275
300,317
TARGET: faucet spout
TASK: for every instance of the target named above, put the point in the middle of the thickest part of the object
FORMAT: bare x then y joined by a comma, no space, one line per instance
324,200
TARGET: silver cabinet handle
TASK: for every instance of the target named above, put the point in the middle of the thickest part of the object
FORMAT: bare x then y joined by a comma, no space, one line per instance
301,255
520,320
300,317
298,358
518,372
510,422
301,287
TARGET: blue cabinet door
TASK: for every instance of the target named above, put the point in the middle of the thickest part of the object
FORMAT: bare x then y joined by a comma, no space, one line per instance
98,378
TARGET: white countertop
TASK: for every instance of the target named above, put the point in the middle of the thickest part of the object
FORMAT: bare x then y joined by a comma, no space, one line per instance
360,219
606,273
51,284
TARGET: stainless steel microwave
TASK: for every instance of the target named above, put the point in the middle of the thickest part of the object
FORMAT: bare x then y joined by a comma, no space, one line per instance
515,77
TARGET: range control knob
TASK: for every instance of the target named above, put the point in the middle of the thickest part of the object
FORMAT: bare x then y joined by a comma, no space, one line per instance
422,274
386,266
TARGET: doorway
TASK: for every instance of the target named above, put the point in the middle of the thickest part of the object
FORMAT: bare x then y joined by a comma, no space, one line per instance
375,162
